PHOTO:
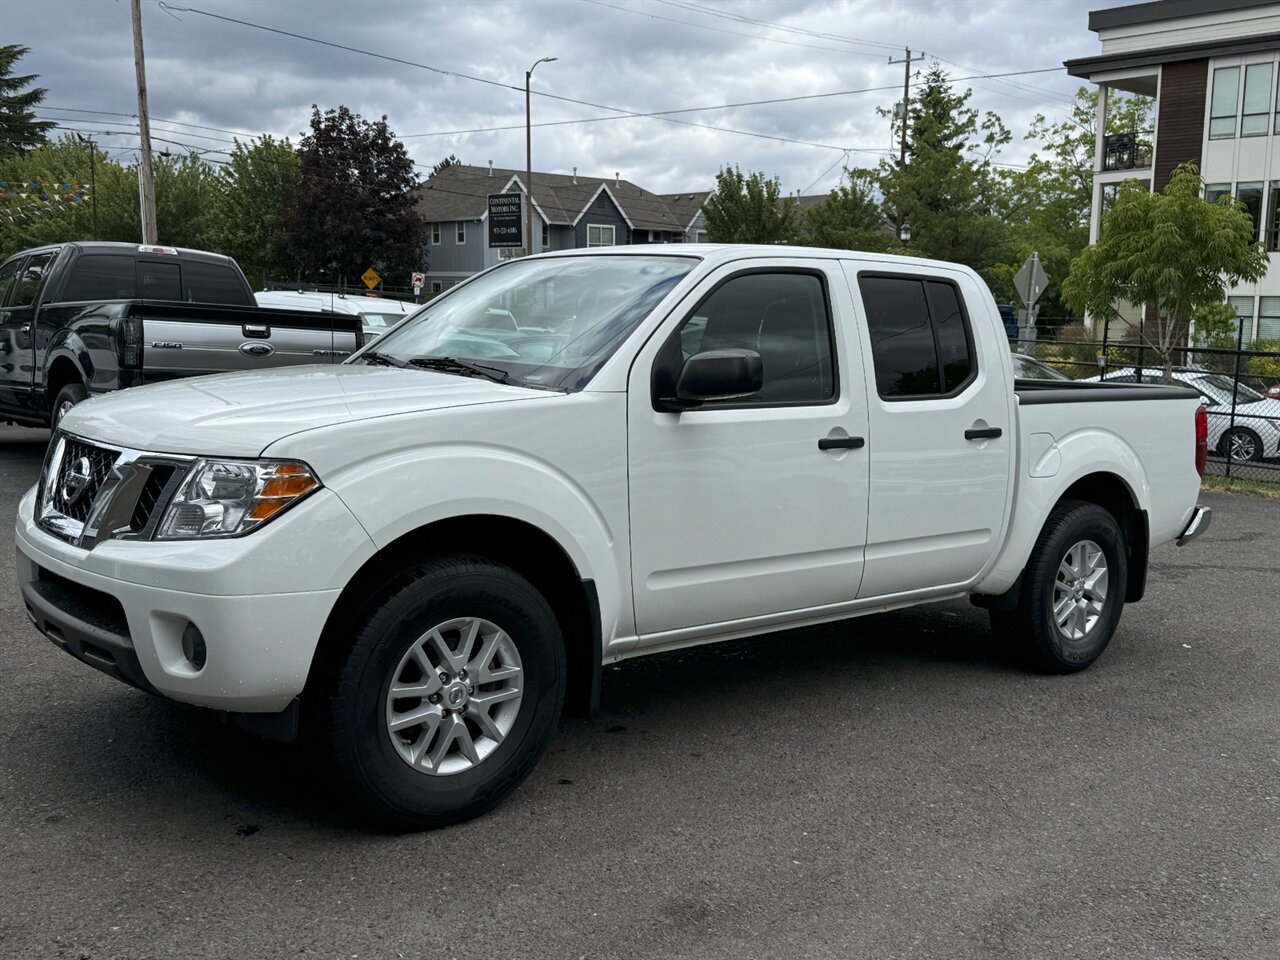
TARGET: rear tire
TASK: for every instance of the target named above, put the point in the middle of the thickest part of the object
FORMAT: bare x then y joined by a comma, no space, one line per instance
67,398
1073,591
478,665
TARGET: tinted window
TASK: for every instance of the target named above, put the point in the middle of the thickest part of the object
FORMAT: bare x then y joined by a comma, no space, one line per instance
7,273
31,279
784,318
920,342
212,283
101,276
158,281
902,346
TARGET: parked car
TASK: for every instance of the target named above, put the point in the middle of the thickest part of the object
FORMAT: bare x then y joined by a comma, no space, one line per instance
418,557
1273,392
81,319
1251,432
377,314
1028,368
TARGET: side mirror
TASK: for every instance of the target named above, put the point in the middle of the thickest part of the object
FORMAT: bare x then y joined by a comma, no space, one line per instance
716,375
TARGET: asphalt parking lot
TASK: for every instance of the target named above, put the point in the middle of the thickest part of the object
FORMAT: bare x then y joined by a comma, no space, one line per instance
883,788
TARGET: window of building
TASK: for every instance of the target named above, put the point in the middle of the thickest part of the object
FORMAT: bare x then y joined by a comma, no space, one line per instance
1269,318
700,237
1243,307
1222,106
1272,233
782,316
1250,194
1257,100
546,235
435,233
599,236
462,231
1213,192
101,276
920,340
436,287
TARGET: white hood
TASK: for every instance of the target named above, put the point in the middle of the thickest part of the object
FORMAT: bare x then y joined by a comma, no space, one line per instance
240,414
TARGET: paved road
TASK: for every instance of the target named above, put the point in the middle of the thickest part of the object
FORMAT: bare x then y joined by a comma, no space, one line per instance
883,788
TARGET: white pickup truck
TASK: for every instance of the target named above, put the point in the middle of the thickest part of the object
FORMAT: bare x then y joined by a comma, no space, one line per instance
422,556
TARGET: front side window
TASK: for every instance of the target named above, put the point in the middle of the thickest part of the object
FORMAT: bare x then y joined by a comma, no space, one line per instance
1257,100
541,323
782,316
599,236
462,231
1222,105
920,341
7,274
1250,194
31,279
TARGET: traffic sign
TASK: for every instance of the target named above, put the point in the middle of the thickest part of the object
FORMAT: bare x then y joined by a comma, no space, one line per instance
419,279
1031,280
371,278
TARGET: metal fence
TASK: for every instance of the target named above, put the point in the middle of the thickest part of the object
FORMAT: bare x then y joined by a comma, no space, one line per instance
1240,385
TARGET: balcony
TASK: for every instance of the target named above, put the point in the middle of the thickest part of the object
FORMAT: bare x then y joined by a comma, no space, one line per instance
1127,151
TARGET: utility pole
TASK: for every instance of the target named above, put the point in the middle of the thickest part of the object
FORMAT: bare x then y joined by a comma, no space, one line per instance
528,158
146,178
906,62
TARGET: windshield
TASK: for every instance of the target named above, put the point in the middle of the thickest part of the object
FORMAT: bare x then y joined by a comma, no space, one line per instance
1219,388
546,323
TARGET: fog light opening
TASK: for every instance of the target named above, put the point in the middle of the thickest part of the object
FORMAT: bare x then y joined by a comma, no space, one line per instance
193,647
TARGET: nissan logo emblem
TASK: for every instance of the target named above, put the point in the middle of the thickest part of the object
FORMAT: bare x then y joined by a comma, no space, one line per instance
257,349
75,481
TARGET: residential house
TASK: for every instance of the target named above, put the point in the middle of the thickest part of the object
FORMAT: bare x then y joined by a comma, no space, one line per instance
1212,67
569,212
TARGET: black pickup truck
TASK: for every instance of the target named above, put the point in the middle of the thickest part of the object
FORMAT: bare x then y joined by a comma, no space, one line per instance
79,319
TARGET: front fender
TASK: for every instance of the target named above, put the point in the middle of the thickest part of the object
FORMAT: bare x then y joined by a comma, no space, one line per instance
1078,454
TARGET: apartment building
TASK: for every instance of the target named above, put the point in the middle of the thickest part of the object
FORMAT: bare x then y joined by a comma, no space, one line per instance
1212,67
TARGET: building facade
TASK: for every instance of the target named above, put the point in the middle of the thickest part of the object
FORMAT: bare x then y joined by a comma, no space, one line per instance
1212,67
569,212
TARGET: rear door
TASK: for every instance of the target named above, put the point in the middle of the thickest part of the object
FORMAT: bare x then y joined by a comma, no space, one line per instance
941,429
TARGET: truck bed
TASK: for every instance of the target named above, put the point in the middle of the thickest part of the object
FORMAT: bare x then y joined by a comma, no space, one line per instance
1031,392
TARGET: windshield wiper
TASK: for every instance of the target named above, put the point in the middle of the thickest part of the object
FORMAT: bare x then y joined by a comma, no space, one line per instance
374,357
464,367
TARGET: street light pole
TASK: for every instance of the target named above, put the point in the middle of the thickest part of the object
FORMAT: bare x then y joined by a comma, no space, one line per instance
528,157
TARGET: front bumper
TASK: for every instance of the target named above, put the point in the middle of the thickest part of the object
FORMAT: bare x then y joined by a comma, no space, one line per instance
1201,517
123,606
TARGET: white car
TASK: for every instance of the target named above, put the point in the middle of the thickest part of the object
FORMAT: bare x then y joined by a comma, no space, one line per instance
420,557
1253,433
377,314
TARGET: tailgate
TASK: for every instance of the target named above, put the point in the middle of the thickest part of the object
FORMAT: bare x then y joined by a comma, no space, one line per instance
187,339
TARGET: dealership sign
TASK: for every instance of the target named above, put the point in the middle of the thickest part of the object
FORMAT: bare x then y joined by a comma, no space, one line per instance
505,220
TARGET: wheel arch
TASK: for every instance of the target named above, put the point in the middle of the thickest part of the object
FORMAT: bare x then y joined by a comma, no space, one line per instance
63,369
527,549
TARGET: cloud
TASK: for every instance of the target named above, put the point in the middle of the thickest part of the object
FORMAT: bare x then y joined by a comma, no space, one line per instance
649,55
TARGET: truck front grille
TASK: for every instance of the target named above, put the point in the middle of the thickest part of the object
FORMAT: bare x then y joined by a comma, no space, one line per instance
82,469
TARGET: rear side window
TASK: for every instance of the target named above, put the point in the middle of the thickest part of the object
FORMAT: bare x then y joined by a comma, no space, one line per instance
31,279
212,283
920,340
159,281
101,276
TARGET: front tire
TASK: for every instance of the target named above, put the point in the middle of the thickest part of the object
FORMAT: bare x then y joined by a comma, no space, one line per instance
449,695
1242,445
1073,591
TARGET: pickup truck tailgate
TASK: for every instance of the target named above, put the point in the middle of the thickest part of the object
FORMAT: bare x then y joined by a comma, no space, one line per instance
186,339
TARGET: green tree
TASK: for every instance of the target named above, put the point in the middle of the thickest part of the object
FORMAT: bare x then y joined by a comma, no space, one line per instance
850,218
749,209
20,131
948,190
258,187
1169,250
354,206
450,161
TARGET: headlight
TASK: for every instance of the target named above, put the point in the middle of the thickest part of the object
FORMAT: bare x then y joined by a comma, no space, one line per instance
223,498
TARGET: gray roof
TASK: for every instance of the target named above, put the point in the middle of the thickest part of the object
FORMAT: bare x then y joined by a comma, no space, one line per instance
460,192
1158,11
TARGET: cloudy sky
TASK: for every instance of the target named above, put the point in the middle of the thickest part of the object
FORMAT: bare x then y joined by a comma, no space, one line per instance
618,56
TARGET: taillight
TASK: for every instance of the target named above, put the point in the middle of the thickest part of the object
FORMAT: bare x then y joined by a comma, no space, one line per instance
131,342
1202,438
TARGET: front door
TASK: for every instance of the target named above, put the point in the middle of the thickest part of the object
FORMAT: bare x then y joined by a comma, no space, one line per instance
20,287
737,511
941,430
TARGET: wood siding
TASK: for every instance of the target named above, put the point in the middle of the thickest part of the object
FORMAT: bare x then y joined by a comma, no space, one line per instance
1180,134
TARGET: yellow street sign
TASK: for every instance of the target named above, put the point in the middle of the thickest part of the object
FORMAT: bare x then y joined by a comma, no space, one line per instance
371,278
